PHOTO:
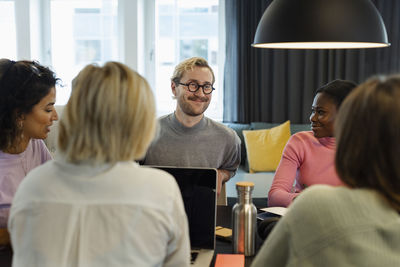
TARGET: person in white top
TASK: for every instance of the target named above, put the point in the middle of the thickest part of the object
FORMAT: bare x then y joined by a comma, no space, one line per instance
93,205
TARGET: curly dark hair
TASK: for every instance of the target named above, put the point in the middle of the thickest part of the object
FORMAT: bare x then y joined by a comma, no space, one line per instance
22,85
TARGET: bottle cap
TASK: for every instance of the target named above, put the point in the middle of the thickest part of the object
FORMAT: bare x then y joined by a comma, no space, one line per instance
244,184
244,187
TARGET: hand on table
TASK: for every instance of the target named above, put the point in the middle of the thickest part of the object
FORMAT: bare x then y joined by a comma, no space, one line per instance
223,176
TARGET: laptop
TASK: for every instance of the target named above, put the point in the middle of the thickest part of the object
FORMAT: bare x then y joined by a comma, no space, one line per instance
198,188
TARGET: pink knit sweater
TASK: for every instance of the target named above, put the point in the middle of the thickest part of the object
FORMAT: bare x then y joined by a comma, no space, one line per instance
306,160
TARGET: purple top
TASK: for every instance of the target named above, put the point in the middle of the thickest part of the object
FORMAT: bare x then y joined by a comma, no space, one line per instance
14,167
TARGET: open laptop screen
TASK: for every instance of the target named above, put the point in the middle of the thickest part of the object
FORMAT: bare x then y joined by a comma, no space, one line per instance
198,189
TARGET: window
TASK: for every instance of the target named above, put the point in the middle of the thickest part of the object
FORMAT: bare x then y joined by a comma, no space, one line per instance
82,32
185,28
7,30
150,36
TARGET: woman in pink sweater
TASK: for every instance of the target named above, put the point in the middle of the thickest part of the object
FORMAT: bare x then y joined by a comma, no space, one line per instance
308,157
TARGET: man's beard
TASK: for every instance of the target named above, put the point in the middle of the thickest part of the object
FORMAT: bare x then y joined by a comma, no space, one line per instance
187,108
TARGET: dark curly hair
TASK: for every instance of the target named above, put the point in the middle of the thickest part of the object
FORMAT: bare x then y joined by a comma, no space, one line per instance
22,85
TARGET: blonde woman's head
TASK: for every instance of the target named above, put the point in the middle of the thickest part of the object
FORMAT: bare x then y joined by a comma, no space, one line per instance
109,117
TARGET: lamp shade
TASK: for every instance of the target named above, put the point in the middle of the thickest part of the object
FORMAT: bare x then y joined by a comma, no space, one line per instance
321,24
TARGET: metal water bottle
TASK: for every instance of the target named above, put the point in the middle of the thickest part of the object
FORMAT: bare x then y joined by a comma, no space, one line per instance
244,216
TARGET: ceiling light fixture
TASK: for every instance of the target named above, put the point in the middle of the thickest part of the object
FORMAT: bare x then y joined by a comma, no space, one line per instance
321,24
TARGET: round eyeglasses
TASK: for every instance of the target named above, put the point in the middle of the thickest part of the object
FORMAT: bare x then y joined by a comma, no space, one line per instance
193,87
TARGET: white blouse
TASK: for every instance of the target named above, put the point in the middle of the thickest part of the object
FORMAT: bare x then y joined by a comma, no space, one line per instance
79,215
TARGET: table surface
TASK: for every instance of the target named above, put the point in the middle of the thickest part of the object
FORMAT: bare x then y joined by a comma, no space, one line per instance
222,247
5,256
224,218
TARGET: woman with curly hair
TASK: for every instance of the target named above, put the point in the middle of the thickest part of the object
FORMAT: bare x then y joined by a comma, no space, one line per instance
27,97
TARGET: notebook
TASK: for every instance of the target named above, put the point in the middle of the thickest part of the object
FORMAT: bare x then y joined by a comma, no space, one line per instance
198,189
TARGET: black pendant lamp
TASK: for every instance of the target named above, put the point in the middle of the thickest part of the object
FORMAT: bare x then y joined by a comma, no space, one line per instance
321,24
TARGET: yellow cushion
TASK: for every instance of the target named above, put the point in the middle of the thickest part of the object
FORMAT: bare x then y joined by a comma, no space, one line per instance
264,147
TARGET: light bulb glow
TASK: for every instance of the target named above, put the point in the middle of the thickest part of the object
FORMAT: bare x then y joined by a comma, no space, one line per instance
321,45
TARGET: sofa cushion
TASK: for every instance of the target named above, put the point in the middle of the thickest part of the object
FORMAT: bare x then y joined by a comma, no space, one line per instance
263,125
238,128
264,147
294,128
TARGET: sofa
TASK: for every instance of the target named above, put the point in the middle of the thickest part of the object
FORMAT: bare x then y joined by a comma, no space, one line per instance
262,180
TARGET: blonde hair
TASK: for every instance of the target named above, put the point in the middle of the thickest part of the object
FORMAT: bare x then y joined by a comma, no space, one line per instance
190,64
369,158
109,117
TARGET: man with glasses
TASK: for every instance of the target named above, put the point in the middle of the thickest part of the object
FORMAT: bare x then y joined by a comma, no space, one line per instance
189,139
